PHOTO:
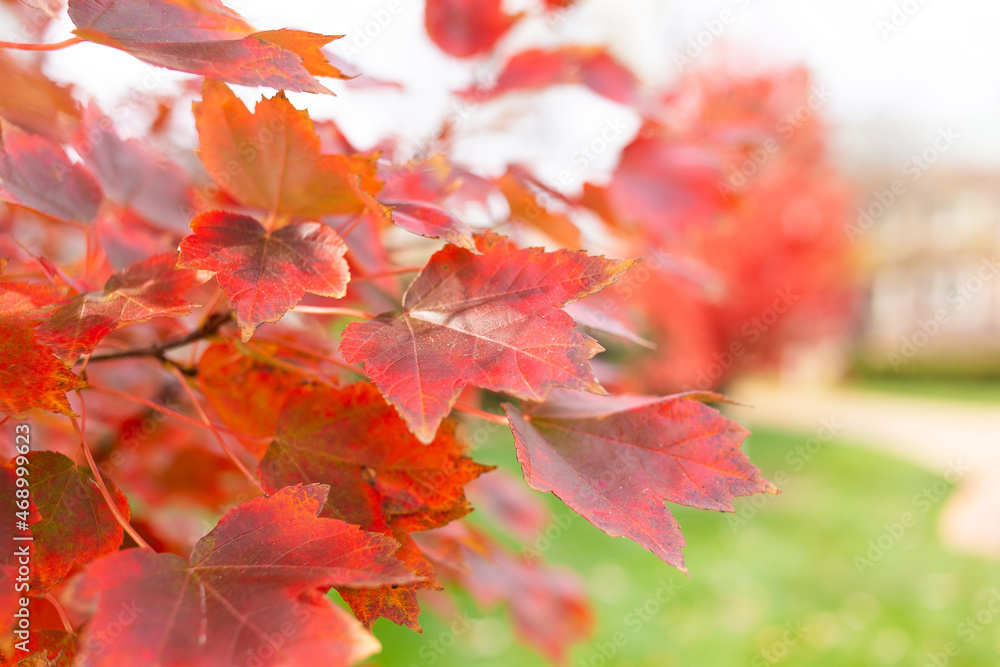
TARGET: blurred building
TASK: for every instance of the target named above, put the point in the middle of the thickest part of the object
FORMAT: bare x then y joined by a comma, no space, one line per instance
931,240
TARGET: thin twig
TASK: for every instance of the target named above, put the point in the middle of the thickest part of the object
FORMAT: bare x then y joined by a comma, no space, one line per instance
209,328
218,436
321,310
388,273
170,413
41,47
482,414
100,479
62,613
349,226
254,350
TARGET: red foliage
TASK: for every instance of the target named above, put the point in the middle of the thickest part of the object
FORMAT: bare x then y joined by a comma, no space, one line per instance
263,273
260,573
593,67
489,320
301,450
466,28
615,460
205,38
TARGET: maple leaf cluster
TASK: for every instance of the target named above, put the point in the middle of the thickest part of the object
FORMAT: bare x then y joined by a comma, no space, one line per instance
240,397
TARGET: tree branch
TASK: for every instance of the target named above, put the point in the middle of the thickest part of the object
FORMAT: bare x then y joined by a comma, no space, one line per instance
210,327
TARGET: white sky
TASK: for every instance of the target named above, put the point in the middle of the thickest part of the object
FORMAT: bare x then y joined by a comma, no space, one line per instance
890,92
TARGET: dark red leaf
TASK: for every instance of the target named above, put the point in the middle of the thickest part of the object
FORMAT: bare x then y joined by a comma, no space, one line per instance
394,485
74,525
591,66
489,320
132,174
393,479
616,460
207,39
224,373
548,606
665,185
37,174
433,222
30,375
399,604
259,575
465,28
263,273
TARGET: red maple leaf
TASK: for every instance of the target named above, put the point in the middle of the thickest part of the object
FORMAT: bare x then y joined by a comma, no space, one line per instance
590,66
432,221
548,607
208,39
394,485
465,28
491,320
30,375
272,159
263,273
74,523
527,209
34,103
254,587
615,460
224,373
147,289
666,184
393,479
31,301
37,174
399,604
133,174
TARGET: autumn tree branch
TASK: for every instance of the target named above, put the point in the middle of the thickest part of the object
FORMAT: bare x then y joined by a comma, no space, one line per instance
209,328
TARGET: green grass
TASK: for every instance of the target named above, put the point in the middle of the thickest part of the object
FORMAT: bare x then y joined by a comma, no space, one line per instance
790,563
957,389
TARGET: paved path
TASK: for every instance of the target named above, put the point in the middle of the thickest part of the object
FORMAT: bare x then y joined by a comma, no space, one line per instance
937,434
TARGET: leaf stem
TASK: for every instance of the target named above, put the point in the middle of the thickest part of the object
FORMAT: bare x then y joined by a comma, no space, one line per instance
389,273
283,365
100,479
218,436
41,47
482,414
357,370
349,226
62,613
322,310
